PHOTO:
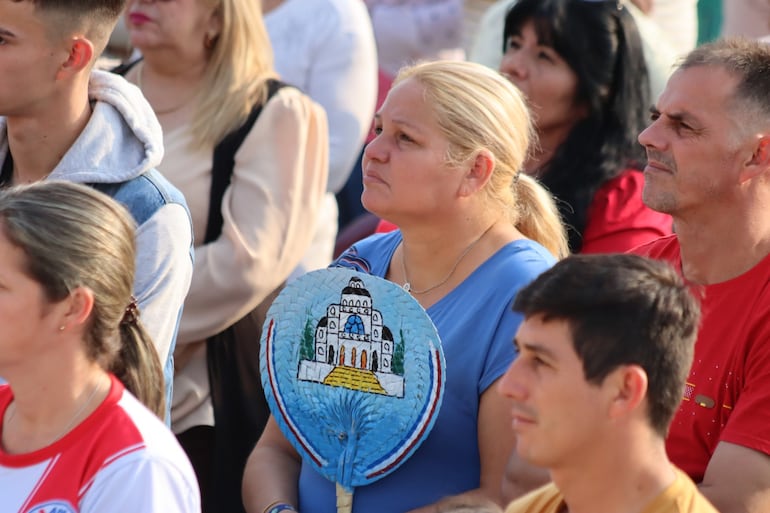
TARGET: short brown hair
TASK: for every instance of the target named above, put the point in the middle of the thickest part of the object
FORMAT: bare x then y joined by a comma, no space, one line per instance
747,59
96,17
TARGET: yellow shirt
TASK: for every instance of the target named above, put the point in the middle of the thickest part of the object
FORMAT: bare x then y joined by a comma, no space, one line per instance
681,496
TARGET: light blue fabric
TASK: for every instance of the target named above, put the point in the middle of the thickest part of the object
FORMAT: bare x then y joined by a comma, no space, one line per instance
117,152
143,196
476,326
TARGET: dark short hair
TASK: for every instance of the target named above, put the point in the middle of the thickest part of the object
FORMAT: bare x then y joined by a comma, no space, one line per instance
622,310
747,59
97,17
601,44
106,8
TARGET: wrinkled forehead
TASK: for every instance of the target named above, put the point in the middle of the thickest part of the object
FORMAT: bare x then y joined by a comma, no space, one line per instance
701,91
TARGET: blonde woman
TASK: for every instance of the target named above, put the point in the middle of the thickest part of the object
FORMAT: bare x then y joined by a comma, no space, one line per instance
206,65
445,167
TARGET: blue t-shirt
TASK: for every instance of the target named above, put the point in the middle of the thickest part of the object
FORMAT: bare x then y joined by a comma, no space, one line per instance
476,325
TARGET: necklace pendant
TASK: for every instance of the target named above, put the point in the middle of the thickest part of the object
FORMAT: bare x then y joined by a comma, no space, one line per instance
406,286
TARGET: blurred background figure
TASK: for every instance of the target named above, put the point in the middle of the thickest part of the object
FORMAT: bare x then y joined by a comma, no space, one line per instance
748,18
255,182
327,49
677,20
581,67
408,31
79,363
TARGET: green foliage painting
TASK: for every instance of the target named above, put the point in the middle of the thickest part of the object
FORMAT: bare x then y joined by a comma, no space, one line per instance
397,364
307,349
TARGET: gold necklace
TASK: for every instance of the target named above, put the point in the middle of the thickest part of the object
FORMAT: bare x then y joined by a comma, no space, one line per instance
407,286
158,112
72,419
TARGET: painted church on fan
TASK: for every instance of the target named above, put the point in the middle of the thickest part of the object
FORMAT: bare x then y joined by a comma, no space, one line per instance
352,346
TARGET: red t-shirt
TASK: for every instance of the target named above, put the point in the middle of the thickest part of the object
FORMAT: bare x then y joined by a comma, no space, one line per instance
728,388
617,220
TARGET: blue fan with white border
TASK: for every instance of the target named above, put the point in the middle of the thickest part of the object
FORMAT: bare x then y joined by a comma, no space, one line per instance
354,374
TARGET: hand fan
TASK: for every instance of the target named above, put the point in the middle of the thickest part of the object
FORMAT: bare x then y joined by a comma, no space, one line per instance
353,373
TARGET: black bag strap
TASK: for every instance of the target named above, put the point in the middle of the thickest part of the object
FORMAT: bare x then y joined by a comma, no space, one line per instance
122,69
224,164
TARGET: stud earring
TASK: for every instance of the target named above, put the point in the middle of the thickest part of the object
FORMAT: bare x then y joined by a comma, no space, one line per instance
208,41
61,328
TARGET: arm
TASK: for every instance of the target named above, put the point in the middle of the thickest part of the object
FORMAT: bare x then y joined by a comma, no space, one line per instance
496,440
737,480
343,79
163,273
271,472
278,185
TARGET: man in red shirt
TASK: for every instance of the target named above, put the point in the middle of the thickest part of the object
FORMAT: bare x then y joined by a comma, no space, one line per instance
708,152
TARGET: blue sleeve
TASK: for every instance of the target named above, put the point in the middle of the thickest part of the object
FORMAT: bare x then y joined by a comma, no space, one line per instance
501,349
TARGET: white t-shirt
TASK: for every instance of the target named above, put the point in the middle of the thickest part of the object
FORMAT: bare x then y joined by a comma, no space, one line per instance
120,459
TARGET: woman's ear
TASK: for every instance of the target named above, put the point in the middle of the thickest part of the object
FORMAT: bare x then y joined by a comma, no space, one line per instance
478,174
214,27
77,307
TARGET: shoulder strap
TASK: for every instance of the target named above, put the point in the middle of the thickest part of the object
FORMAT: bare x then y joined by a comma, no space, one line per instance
122,69
224,163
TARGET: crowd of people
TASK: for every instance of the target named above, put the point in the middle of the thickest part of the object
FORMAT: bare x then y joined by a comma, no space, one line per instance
584,226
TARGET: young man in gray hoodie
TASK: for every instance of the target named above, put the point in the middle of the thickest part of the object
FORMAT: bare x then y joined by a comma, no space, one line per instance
62,120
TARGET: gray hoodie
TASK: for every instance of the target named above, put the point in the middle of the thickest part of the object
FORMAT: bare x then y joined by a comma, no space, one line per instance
123,142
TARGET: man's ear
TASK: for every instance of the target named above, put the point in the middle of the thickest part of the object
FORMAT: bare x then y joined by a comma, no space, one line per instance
628,388
759,162
79,57
478,174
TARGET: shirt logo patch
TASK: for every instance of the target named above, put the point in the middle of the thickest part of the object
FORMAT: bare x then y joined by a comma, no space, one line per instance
689,390
52,507
705,401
